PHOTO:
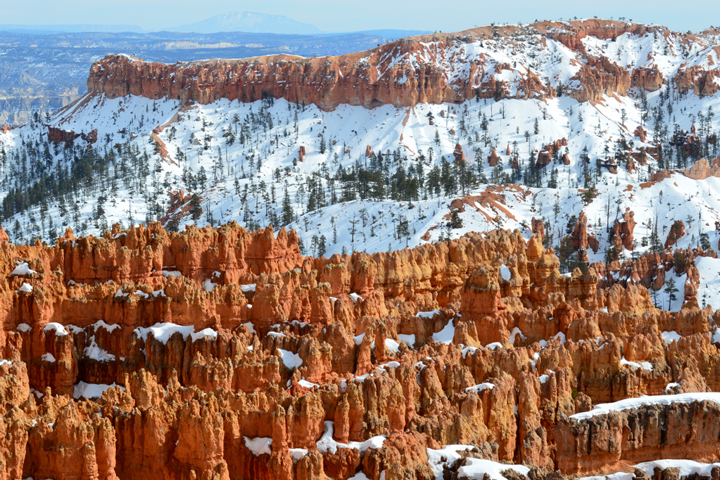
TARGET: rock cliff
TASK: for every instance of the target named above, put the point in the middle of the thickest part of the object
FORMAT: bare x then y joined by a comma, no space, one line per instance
226,354
427,69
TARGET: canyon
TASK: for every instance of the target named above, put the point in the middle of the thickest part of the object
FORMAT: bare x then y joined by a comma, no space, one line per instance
226,354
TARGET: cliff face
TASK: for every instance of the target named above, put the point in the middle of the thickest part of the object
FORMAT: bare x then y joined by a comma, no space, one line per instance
226,354
428,69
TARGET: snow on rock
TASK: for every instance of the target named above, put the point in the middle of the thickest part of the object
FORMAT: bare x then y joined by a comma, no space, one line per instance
94,352
631,403
48,357
514,334
429,315
163,331
637,365
480,387
208,285
108,327
91,390
5,362
445,335
448,455
306,384
259,445
204,333
250,326
476,469
297,453
408,339
290,359
328,444
23,327
25,288
57,328
505,273
686,468
392,345
22,269
250,287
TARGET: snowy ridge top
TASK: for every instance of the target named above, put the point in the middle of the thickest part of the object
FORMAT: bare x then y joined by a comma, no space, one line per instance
635,403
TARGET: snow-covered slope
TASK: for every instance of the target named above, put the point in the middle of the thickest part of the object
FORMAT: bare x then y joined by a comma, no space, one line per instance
242,161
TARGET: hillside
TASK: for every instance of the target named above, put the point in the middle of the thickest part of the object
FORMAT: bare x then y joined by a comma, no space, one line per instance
489,255
421,139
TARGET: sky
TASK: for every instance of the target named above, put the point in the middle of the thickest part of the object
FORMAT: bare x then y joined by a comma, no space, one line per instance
353,15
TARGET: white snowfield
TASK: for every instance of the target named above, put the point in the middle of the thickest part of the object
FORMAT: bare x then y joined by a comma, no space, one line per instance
634,403
685,467
246,181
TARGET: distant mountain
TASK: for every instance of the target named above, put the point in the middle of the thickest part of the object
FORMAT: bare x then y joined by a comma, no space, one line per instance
82,28
249,22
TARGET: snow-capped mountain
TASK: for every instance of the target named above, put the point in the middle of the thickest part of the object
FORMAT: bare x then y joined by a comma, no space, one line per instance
249,22
422,139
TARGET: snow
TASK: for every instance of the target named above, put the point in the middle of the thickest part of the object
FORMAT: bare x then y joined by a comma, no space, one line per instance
392,345
250,287
108,327
163,331
429,315
637,365
290,360
328,444
57,328
445,335
22,269
447,455
91,390
5,362
686,468
208,285
408,339
479,388
94,352
633,403
514,334
48,357
23,327
259,445
476,468
306,384
250,326
297,453
355,297
505,273
26,288
204,333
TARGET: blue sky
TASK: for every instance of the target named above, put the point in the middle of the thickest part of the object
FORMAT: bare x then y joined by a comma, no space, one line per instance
351,15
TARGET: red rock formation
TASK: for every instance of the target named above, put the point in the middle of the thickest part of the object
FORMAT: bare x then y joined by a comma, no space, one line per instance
677,231
249,381
702,169
623,231
458,153
493,158
374,78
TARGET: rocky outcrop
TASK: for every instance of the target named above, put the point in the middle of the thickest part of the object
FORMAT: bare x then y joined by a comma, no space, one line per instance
233,356
677,231
433,69
622,234
703,169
